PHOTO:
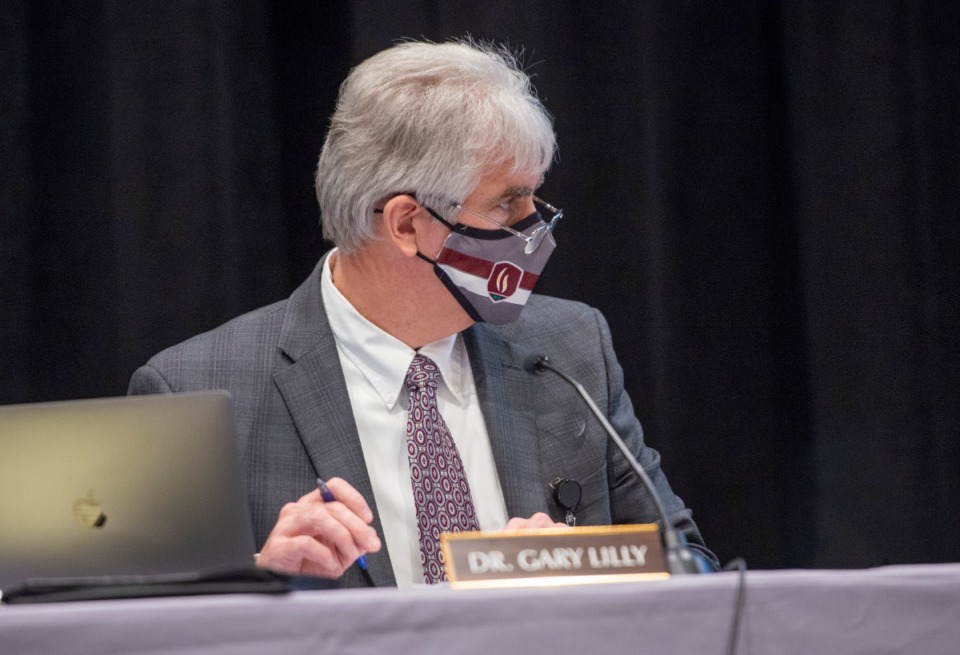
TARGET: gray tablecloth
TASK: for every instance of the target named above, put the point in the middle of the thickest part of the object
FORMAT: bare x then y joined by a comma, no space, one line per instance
903,609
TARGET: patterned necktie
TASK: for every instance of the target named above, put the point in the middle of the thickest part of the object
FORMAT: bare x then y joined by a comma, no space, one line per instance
440,490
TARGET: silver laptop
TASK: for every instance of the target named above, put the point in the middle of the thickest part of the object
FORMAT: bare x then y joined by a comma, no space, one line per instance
144,485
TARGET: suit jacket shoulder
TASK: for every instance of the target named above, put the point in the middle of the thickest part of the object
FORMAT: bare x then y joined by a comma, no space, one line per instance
280,365
209,360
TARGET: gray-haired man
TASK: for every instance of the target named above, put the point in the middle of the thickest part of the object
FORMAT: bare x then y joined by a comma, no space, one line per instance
399,371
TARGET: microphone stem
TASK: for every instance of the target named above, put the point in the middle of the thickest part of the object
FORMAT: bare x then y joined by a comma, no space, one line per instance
679,559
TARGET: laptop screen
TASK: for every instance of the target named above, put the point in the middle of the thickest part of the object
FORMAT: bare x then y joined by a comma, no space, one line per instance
140,485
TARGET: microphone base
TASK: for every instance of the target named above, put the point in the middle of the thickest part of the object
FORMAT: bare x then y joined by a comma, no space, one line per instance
680,559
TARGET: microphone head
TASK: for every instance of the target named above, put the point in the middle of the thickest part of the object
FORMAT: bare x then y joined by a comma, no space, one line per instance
536,363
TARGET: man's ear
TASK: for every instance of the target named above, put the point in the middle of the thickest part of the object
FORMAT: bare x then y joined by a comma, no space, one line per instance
403,216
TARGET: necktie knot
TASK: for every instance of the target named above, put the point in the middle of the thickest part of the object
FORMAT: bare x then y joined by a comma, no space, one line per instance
423,372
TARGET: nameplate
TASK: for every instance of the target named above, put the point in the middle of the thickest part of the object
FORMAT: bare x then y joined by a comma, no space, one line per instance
553,556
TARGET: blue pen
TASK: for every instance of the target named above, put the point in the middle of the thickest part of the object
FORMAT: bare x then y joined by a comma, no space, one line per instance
328,497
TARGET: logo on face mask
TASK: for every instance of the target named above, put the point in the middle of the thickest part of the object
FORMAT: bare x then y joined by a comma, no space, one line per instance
504,281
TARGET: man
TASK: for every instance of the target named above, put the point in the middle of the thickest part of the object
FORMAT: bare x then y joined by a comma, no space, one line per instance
400,370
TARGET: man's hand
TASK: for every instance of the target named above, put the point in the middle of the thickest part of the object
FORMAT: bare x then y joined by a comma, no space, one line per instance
313,537
538,520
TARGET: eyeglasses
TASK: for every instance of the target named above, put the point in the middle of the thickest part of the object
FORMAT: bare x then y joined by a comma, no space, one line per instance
537,236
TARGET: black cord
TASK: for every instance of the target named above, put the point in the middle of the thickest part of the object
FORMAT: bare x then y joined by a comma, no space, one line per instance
740,565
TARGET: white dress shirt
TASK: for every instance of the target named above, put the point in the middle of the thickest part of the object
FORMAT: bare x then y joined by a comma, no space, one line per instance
374,365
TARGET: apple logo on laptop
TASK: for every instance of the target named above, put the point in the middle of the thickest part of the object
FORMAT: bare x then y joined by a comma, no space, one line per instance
89,512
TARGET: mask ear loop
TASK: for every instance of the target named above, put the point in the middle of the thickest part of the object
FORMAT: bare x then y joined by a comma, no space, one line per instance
455,228
432,262
445,222
441,274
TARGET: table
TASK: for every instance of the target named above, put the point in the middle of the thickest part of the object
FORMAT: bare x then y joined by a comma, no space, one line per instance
897,609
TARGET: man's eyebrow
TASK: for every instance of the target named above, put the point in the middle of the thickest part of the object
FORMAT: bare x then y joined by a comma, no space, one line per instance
517,192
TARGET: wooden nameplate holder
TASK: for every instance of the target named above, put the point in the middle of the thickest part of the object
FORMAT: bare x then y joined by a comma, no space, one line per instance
553,556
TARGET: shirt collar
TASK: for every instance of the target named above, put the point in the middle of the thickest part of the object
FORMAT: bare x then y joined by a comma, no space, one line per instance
382,358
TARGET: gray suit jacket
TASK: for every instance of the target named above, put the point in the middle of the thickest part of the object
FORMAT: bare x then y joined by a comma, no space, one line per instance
280,363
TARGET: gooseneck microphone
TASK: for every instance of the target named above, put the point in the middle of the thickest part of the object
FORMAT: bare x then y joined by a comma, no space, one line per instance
680,560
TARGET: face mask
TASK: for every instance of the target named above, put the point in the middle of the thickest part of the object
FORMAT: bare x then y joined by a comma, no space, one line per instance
487,271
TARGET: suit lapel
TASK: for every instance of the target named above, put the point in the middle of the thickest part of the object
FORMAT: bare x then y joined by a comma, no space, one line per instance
315,393
504,389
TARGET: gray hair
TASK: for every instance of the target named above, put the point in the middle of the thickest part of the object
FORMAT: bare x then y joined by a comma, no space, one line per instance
426,118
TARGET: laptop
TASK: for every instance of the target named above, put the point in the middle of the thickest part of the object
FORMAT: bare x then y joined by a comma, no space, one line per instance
119,488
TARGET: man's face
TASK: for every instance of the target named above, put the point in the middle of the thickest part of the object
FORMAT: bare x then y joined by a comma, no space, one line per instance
490,261
503,196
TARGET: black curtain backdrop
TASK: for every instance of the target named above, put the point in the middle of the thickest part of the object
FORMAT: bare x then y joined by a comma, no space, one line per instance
762,197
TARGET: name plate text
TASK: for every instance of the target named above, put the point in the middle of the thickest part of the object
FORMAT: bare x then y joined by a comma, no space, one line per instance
553,556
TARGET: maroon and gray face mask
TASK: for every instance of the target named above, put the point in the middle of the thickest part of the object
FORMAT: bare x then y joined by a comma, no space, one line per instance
487,271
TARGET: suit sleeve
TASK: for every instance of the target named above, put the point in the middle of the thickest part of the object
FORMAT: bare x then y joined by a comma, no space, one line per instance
628,500
147,380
